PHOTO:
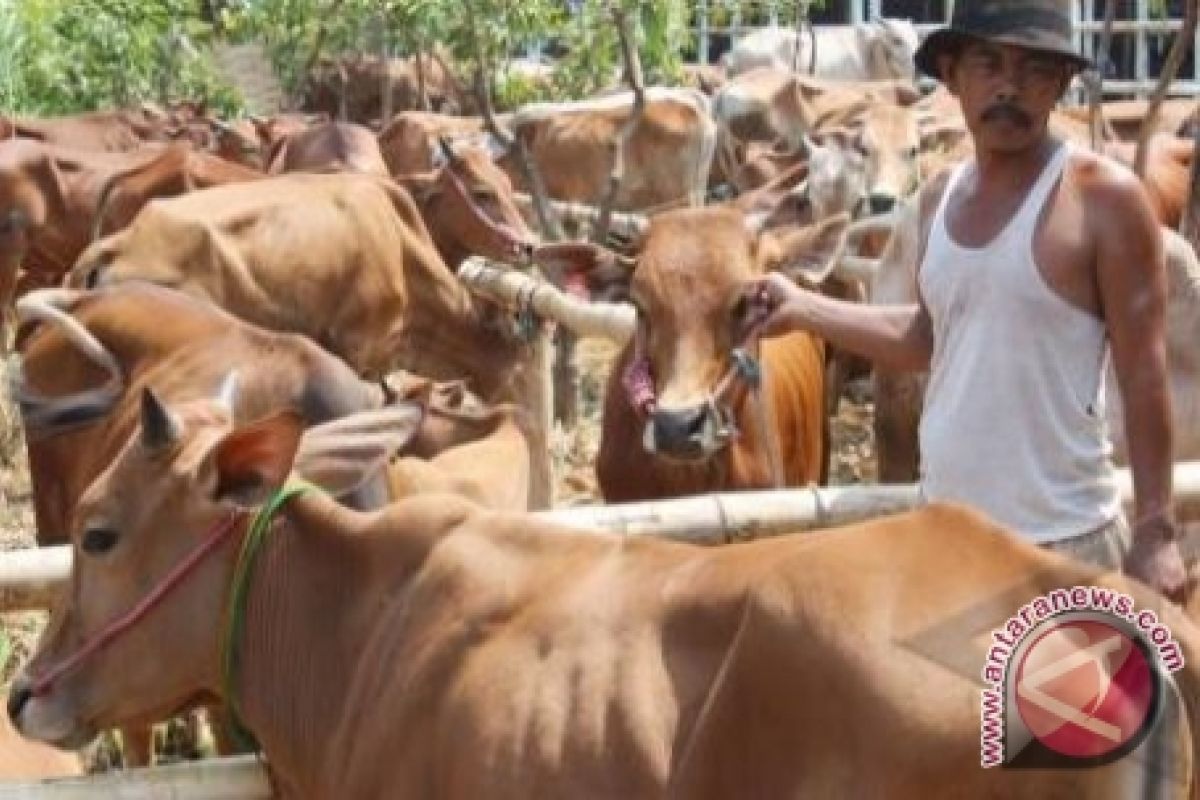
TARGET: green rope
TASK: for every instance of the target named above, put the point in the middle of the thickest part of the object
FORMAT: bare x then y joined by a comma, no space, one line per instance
236,612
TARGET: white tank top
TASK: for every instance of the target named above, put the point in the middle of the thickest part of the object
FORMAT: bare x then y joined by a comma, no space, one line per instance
1014,410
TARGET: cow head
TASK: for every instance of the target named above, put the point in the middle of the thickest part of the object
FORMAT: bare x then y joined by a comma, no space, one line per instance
680,372
838,165
468,204
28,183
182,473
887,135
891,45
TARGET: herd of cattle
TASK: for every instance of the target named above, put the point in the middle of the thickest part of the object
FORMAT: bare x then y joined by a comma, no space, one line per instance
206,307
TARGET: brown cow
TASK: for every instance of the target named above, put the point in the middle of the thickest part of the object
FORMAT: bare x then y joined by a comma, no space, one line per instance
677,397
465,653
354,84
75,420
113,131
48,201
354,238
667,158
179,169
410,142
327,147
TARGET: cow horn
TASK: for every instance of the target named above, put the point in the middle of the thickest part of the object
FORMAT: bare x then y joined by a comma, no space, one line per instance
43,415
227,391
160,427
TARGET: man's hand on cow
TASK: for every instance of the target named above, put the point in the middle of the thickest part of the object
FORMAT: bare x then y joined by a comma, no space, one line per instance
1155,559
767,307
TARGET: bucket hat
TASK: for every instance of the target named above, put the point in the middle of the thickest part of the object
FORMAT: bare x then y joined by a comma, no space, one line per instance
1043,25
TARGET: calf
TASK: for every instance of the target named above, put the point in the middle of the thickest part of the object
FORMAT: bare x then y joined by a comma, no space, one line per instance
683,413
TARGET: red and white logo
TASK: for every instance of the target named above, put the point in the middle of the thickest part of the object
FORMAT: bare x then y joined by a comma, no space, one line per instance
1085,689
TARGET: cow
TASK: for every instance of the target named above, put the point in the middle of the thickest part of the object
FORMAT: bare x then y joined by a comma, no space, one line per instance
48,201
327,147
80,379
355,85
879,119
464,447
358,238
875,50
410,142
113,131
178,169
248,141
467,653
684,411
666,159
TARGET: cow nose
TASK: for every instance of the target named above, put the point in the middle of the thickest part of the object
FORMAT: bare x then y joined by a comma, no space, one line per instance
18,696
881,203
679,432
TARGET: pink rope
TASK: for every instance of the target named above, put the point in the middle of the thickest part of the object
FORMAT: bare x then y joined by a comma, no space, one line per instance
218,534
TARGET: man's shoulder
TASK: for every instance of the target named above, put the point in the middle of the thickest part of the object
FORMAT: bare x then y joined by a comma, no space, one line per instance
1104,183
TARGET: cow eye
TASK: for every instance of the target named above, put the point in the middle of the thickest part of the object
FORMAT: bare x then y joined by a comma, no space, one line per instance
98,541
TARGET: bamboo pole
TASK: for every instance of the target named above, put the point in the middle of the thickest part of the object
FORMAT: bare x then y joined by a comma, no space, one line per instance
30,579
238,778
613,321
724,518
706,519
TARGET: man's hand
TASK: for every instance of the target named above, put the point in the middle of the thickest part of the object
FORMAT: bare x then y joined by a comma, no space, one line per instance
768,307
1155,560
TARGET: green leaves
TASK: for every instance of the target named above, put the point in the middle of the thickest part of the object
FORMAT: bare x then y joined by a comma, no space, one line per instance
64,56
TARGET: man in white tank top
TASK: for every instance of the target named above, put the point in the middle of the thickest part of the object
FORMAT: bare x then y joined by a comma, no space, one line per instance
1037,264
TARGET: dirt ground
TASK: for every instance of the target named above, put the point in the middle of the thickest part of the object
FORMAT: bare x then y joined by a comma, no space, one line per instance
574,451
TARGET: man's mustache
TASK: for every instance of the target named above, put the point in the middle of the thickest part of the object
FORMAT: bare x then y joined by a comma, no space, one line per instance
1008,112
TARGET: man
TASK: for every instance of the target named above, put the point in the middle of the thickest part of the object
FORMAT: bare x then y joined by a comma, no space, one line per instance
1037,262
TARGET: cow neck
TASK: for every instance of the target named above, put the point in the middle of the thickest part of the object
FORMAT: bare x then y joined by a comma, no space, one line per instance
454,337
311,604
65,232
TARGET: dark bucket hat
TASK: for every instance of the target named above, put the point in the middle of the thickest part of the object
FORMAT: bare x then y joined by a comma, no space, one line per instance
1043,25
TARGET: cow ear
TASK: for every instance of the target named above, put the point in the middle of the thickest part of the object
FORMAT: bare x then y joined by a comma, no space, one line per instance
586,269
343,455
254,460
806,254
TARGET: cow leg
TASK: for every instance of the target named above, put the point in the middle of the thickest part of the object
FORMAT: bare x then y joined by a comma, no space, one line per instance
137,746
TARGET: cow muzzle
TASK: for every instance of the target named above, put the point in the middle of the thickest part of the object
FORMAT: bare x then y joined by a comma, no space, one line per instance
46,718
690,434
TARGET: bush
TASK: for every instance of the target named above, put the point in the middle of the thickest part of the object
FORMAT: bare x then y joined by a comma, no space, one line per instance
67,56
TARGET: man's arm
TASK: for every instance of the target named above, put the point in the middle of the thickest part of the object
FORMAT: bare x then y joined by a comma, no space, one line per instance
1131,278
896,337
